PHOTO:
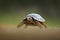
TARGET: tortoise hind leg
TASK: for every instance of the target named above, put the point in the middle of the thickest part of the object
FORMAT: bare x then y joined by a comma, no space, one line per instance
43,24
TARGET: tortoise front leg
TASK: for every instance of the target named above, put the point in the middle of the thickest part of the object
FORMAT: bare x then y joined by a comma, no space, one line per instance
25,26
20,24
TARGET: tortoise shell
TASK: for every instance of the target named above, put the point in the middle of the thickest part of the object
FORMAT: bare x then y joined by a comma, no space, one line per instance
36,17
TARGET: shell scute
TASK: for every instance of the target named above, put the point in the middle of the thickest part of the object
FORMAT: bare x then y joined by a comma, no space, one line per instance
36,17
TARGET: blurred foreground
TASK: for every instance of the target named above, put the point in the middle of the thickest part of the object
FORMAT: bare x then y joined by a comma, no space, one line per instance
11,32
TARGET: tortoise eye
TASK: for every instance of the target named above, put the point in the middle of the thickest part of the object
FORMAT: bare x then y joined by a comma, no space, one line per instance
29,18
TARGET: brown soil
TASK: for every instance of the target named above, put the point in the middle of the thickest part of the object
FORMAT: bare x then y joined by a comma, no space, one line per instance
9,32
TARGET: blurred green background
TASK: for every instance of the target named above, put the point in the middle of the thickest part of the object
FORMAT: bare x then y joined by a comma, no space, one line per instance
13,11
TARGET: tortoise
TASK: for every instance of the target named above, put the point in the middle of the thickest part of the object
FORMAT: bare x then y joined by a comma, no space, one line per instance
33,19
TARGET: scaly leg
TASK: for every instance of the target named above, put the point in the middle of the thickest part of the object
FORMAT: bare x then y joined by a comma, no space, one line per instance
25,26
20,24
39,24
44,25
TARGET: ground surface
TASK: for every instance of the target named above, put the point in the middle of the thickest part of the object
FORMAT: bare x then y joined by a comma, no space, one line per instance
9,32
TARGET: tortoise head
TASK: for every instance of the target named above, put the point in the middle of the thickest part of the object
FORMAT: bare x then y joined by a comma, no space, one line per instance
29,19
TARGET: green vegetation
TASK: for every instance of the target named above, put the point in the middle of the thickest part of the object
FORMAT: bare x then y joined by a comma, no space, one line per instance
15,18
